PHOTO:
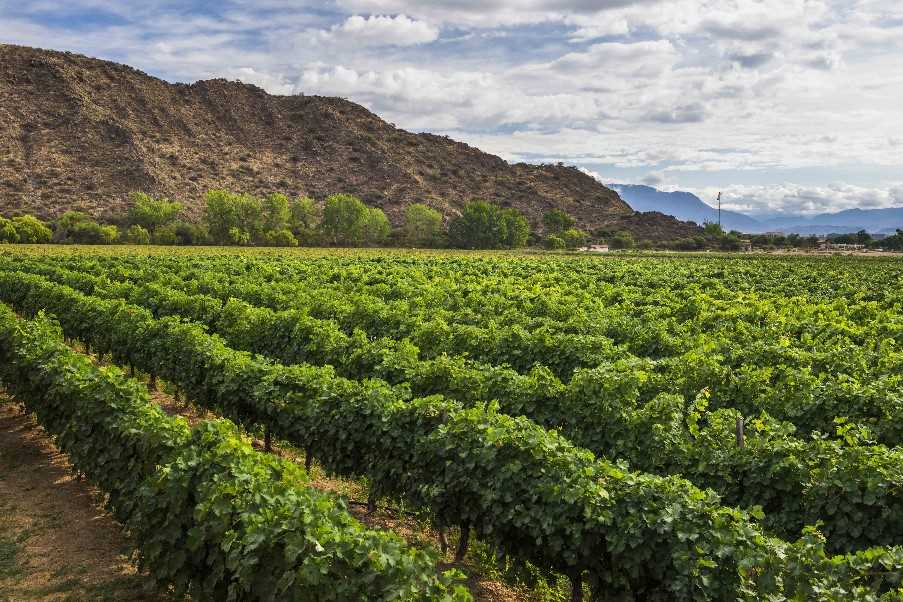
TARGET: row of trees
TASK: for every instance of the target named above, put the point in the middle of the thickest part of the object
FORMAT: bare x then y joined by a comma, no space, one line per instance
894,242
276,220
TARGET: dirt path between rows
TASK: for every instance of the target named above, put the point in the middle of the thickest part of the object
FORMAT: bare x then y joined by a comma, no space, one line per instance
55,541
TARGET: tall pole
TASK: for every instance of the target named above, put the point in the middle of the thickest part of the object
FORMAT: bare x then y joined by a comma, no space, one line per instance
719,210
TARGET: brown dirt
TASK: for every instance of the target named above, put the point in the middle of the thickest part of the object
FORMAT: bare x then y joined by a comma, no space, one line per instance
55,541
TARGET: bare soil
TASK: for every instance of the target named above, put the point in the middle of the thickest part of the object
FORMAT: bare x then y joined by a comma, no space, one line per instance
56,543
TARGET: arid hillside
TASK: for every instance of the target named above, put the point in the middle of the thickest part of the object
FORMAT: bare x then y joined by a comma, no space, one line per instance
80,133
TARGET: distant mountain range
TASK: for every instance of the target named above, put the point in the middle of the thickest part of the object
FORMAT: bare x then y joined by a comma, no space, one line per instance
683,205
689,207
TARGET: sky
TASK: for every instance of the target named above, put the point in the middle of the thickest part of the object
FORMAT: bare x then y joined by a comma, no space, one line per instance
787,106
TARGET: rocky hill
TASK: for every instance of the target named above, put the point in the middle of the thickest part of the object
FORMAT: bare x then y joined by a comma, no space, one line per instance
80,133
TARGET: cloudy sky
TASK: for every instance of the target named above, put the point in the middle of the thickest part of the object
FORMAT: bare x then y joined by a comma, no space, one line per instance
785,105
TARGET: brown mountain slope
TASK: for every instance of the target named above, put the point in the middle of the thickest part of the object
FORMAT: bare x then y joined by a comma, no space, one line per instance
80,133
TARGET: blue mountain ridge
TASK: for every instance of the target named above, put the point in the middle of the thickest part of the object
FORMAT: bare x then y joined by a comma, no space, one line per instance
689,207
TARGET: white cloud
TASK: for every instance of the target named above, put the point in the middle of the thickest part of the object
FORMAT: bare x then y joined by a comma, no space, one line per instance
377,30
805,200
488,13
677,88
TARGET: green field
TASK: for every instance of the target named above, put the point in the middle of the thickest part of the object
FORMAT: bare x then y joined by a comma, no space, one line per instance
650,427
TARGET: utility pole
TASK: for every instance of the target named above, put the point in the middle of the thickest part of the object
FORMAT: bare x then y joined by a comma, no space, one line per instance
719,210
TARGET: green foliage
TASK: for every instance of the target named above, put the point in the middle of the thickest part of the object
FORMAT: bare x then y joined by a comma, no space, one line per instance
555,243
232,219
695,243
557,221
422,226
376,227
713,229
24,229
344,219
859,238
478,227
211,518
165,235
281,238
893,242
276,213
304,219
8,232
137,235
67,222
573,238
92,233
484,225
78,227
622,406
516,228
621,240
188,233
151,213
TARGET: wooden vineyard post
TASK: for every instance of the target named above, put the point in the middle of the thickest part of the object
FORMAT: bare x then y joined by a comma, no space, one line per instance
576,586
463,542
443,540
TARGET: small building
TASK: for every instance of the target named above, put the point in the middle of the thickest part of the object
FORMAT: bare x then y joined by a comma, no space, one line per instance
597,249
745,245
827,245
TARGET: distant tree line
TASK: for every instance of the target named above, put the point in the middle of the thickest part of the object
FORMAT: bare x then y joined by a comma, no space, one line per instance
276,220
894,242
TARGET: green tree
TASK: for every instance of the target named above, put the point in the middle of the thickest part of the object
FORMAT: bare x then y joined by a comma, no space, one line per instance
893,242
344,219
8,232
276,213
304,217
280,238
137,235
729,242
165,235
31,230
188,233
233,218
713,229
65,223
516,228
78,227
91,233
478,227
555,243
376,227
622,240
422,226
573,238
151,213
557,221
237,236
